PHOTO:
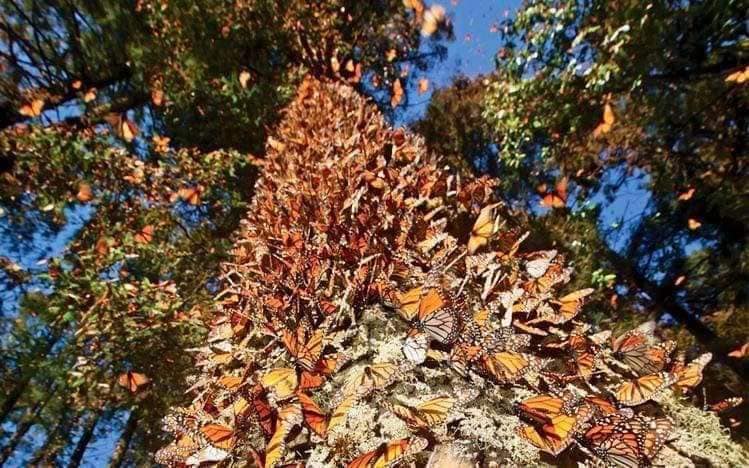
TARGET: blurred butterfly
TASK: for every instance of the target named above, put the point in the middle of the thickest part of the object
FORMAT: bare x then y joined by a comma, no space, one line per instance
428,414
313,416
558,197
288,417
690,375
373,376
390,453
725,405
486,225
508,366
304,346
637,391
415,347
133,381
282,381
633,348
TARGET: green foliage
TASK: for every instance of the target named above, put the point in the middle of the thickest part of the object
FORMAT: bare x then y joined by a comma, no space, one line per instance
133,283
647,88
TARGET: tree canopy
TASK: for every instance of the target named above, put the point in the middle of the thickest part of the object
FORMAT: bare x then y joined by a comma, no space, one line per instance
135,137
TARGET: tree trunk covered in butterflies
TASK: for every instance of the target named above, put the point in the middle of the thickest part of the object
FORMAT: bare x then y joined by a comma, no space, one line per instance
120,450
86,435
378,305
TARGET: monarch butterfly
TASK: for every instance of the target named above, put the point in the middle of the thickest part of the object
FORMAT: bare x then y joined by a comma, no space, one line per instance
633,348
642,389
389,454
305,350
725,405
569,306
585,354
177,451
600,405
542,408
264,413
188,451
373,376
545,274
219,435
415,347
508,366
434,235
690,375
288,417
434,313
627,441
408,303
462,355
424,415
145,235
558,197
133,381
539,265
556,435
283,381
486,225
653,433
607,122
313,416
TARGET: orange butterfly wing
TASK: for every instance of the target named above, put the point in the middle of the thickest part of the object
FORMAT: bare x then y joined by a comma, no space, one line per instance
313,416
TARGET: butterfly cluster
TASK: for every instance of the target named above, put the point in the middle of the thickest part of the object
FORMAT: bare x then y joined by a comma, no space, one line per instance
366,275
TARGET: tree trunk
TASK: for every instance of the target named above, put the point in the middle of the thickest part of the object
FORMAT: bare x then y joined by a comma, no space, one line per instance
664,300
56,441
86,436
23,426
12,398
127,435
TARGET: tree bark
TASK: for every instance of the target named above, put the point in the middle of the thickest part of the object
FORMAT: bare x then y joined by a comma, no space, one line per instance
118,456
85,439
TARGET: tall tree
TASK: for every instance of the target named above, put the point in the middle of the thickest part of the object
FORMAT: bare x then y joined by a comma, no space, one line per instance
603,93
114,115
